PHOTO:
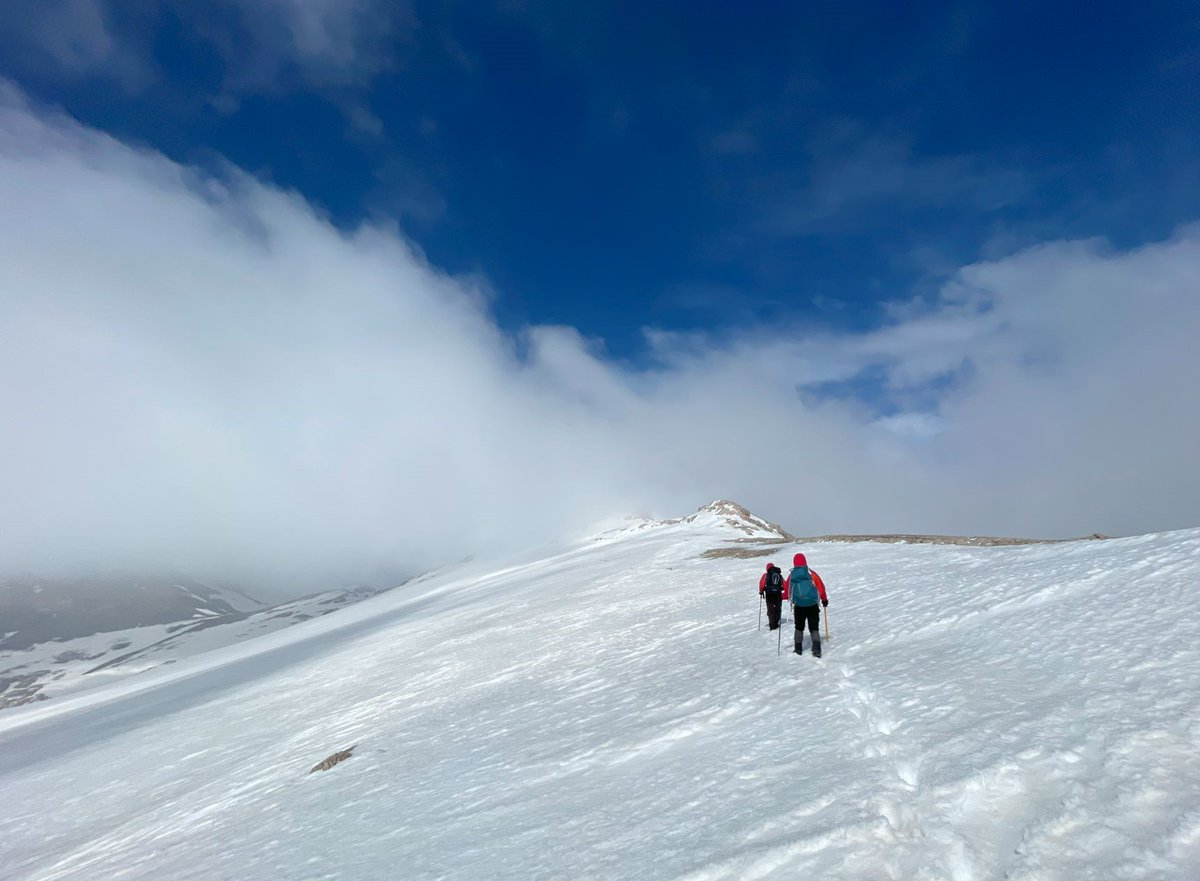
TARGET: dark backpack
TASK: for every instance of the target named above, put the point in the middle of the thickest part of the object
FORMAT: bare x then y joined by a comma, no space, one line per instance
774,581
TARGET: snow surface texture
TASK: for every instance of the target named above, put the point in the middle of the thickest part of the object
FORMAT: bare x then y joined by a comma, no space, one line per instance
609,711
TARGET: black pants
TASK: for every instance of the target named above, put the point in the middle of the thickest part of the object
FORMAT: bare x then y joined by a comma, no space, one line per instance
811,615
774,607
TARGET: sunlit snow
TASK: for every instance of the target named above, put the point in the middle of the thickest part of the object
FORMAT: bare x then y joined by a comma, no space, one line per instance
609,710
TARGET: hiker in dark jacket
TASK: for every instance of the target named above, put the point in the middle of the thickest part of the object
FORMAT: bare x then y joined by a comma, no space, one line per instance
773,588
807,589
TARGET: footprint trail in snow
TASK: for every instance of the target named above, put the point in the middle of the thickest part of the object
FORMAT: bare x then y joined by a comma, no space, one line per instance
608,710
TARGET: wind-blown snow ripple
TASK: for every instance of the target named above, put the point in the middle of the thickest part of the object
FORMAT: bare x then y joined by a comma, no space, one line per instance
609,710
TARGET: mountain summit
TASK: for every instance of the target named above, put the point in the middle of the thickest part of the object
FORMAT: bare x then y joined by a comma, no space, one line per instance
734,516
718,519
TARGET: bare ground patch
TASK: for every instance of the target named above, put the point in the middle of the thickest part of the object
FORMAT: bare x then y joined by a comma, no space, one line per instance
339,756
738,549
989,541
742,553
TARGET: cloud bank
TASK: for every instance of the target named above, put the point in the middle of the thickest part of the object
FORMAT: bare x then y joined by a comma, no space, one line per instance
204,373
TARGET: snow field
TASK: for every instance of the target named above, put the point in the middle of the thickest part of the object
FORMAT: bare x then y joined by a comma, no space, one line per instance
610,712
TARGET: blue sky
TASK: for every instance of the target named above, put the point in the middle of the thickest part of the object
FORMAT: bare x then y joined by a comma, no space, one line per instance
678,165
303,287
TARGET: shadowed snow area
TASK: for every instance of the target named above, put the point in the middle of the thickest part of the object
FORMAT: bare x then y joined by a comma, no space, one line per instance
608,710
57,667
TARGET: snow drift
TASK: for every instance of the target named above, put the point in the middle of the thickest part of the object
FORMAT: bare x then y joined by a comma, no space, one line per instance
608,710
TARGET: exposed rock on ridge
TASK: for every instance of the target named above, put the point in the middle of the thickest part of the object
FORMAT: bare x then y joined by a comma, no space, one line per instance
738,518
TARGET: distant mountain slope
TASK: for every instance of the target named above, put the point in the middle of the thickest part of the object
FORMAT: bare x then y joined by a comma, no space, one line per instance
37,610
52,667
608,709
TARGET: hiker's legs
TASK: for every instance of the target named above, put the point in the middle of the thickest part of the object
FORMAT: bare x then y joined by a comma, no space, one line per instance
814,626
774,605
810,617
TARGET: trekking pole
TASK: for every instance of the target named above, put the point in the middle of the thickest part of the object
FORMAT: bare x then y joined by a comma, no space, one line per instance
825,615
779,640
760,602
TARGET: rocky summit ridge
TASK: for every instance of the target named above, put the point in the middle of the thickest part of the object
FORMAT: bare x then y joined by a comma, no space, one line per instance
741,520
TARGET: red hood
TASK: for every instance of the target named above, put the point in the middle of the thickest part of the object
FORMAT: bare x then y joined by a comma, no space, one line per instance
799,560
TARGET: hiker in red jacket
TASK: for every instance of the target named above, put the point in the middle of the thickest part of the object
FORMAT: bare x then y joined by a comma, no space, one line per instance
807,589
773,588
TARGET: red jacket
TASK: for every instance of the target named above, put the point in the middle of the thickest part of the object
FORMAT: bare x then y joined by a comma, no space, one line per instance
820,585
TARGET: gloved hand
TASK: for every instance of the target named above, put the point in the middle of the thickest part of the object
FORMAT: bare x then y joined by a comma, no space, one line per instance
824,602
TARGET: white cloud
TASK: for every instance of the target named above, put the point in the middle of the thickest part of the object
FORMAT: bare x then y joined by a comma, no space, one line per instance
334,44
853,179
264,46
913,425
72,39
206,373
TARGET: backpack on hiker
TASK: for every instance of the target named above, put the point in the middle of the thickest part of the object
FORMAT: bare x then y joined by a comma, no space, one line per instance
803,590
774,583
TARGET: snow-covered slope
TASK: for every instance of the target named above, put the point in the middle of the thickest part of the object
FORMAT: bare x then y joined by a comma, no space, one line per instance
62,666
610,711
35,610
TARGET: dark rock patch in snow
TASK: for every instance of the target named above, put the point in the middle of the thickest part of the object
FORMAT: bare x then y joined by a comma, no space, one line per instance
738,553
966,540
339,756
